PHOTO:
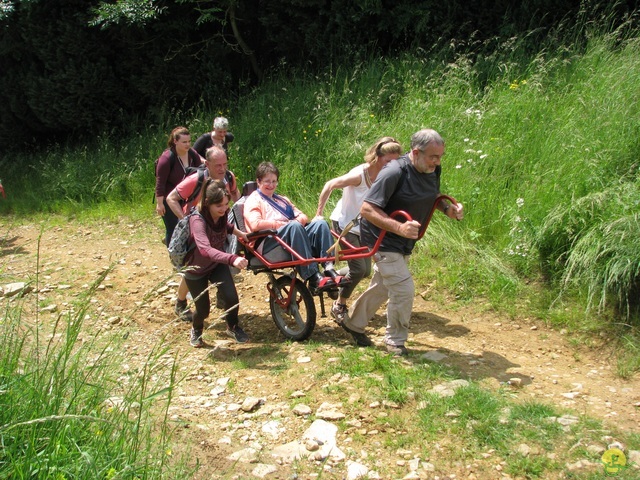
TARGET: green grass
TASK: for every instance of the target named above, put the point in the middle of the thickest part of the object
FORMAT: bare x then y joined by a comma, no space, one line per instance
542,150
466,425
65,409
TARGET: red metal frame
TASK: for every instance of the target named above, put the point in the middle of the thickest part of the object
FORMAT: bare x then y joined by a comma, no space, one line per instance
349,253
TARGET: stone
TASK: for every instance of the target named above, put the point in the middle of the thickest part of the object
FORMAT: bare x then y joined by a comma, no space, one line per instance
433,356
597,450
251,403
633,458
515,382
524,449
311,445
263,469
16,288
246,455
448,389
301,410
356,470
329,411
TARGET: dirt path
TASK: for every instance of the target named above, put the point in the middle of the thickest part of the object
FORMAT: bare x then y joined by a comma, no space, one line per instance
483,346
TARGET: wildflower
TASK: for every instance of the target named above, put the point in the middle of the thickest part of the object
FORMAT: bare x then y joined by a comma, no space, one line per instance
371,115
484,155
466,140
458,166
520,202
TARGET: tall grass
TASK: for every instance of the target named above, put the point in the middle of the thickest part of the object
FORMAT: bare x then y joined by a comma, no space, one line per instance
534,137
68,409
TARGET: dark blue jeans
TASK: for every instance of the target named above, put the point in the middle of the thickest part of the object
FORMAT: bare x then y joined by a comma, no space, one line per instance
311,241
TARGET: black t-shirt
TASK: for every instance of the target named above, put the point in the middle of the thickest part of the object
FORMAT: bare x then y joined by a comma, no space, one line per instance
204,142
399,186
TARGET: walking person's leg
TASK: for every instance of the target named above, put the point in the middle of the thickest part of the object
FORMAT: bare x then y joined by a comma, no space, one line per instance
399,283
203,306
228,295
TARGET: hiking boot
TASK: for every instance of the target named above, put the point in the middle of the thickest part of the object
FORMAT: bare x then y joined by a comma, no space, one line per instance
360,338
397,350
183,312
196,338
238,334
339,312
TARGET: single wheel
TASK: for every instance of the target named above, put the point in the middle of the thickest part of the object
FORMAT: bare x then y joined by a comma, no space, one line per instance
298,320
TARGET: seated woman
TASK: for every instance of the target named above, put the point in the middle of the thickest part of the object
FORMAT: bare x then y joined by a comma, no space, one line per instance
264,209
210,263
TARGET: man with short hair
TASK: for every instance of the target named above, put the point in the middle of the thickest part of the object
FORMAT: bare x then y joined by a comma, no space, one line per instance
216,167
411,184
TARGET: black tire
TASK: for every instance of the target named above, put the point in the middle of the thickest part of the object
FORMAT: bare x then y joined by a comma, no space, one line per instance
299,320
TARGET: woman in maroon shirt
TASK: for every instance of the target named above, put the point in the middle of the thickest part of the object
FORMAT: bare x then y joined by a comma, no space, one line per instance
171,169
209,263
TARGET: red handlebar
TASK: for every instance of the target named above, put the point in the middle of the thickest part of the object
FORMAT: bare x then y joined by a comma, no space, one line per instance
350,253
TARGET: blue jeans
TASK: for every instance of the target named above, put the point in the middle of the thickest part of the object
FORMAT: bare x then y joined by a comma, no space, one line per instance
311,241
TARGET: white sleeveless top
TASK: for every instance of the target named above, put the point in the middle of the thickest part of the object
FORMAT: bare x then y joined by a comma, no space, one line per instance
348,206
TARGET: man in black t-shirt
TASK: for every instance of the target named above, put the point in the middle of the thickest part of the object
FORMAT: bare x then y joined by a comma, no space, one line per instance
411,184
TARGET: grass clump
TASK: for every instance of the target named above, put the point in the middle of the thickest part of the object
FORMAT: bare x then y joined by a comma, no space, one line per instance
67,410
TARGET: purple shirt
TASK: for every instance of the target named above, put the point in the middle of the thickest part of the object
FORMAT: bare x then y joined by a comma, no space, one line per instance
167,177
209,251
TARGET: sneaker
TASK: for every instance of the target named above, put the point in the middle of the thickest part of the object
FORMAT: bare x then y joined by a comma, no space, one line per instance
361,339
196,338
339,312
397,350
238,334
183,311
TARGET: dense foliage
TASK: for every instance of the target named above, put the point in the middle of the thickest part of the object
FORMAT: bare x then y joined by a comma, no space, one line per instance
74,68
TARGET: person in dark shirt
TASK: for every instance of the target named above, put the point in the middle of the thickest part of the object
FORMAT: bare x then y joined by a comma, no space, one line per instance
220,136
411,184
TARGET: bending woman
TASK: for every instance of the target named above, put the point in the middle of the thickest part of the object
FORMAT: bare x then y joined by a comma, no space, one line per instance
210,263
264,209
355,184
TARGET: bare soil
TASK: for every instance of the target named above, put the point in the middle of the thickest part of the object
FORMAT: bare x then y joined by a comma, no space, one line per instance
137,297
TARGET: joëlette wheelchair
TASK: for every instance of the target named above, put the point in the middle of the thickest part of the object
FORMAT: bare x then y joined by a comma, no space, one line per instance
290,298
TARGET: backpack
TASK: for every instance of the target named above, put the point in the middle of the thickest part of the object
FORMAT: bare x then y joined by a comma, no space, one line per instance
202,176
181,243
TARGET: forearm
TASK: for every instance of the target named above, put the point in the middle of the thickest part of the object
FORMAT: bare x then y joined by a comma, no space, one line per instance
173,200
379,218
322,201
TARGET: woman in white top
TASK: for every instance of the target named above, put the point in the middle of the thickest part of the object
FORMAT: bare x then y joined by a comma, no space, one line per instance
355,185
